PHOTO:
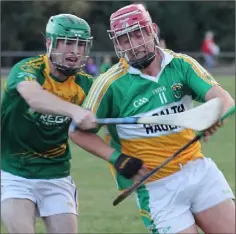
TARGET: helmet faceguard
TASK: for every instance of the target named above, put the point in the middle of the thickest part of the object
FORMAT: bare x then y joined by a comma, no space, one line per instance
134,18
70,42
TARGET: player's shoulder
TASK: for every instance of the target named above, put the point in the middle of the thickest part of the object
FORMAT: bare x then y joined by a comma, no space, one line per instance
181,58
84,80
82,74
30,64
113,74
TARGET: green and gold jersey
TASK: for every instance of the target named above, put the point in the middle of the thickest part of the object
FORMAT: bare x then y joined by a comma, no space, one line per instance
124,91
34,145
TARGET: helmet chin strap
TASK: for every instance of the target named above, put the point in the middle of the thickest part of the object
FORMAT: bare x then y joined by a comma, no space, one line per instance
143,62
66,70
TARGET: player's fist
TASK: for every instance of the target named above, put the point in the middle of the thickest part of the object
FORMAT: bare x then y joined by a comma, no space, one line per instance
128,166
210,131
84,120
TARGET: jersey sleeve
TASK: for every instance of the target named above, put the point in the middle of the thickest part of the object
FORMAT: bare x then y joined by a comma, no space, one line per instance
198,80
99,100
20,72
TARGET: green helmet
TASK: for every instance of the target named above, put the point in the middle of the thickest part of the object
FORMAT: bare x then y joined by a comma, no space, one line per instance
71,28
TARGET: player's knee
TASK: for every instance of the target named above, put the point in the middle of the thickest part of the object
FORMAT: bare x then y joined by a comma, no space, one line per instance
62,223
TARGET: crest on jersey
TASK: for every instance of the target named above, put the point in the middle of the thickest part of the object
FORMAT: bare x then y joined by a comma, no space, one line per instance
178,90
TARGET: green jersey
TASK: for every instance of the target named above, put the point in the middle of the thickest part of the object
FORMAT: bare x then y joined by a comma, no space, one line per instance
124,91
35,145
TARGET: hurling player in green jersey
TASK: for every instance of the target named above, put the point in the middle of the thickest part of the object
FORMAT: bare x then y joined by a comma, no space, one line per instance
42,95
190,190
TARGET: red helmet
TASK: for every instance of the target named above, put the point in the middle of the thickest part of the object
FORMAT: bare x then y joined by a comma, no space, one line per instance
128,16
126,20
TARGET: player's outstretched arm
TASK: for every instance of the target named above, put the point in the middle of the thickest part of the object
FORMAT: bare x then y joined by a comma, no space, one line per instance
129,167
205,88
44,102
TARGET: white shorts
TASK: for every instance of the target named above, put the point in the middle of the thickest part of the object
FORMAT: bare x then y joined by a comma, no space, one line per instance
168,205
52,196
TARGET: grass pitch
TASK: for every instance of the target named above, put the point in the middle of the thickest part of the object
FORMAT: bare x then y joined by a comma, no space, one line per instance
97,188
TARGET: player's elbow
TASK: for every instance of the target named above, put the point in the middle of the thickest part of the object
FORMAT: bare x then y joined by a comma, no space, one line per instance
218,92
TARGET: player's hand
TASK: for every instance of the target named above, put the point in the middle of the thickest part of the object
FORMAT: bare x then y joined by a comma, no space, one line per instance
210,131
85,119
129,167
141,173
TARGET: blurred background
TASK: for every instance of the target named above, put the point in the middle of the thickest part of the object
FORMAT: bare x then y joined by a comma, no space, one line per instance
185,27
204,30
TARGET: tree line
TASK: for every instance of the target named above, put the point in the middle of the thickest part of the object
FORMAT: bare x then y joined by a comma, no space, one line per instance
182,24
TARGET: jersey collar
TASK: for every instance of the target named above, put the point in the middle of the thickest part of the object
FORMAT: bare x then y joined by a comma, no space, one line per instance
166,59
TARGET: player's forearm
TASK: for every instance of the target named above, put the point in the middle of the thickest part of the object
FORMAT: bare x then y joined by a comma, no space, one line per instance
92,143
44,102
127,166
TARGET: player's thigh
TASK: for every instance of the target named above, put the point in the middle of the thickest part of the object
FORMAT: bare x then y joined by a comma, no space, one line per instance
212,189
218,219
190,230
17,200
212,204
164,206
57,196
18,215
61,223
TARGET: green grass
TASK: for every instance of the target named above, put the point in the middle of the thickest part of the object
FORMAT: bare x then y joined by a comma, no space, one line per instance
97,188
